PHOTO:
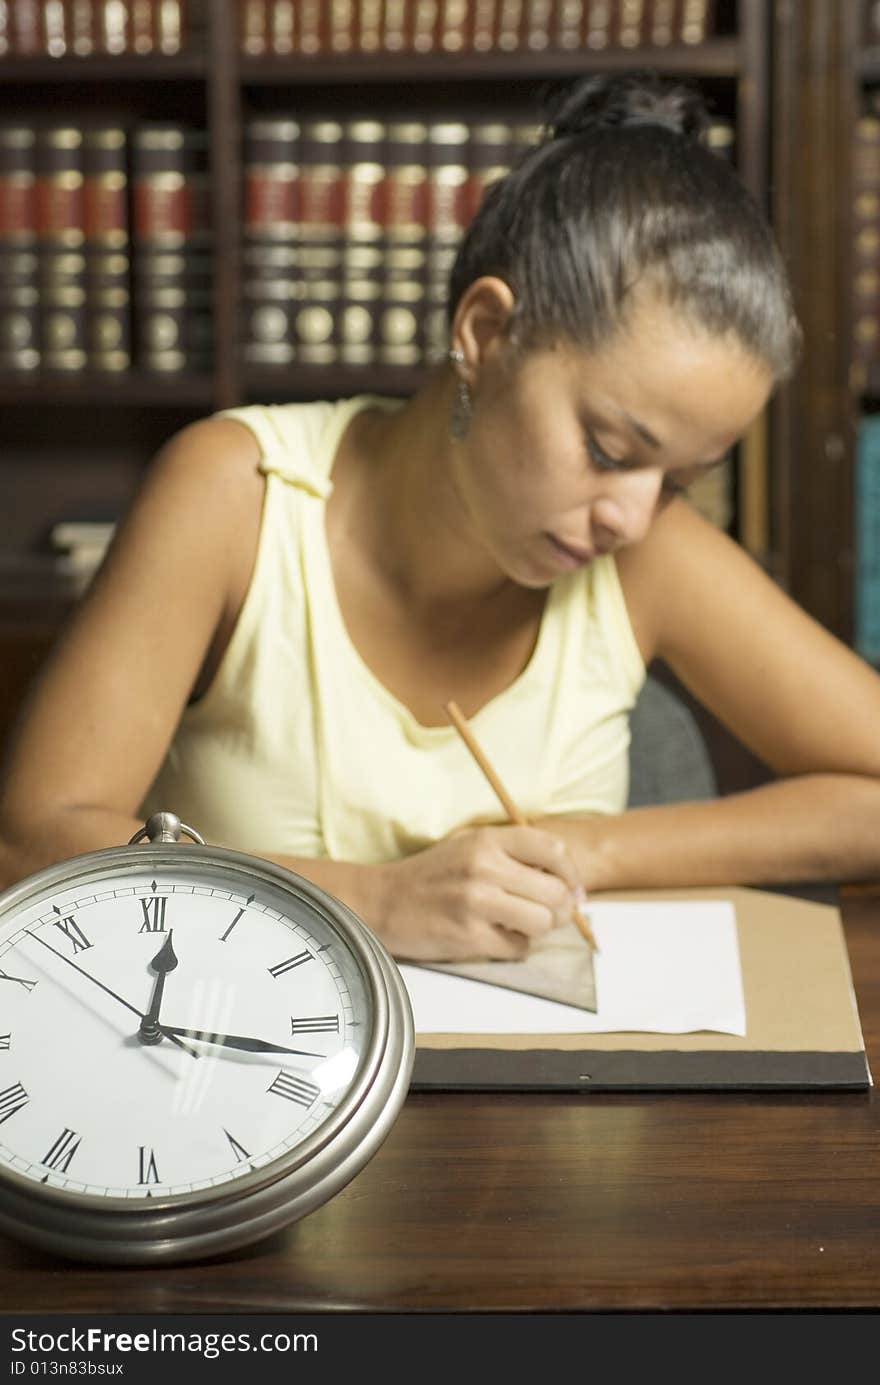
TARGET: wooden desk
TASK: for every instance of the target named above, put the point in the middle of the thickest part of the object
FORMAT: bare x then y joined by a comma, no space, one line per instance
549,1201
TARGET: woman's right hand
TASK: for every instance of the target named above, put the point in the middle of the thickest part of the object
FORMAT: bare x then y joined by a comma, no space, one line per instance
486,892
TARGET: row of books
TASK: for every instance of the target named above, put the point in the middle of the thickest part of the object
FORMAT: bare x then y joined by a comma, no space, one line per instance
319,27
103,229
61,28
349,232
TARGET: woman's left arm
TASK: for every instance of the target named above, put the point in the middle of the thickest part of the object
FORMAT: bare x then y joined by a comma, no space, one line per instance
798,698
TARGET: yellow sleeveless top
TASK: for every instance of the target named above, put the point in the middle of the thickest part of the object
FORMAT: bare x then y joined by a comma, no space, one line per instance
297,749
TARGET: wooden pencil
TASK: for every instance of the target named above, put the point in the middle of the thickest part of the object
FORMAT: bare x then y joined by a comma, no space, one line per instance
514,813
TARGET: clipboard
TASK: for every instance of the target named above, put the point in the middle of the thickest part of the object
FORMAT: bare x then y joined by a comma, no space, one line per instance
802,1024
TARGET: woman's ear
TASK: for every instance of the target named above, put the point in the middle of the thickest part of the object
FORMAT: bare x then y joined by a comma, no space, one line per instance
480,325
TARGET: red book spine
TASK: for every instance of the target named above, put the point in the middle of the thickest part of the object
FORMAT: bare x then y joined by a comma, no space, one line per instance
19,285
402,316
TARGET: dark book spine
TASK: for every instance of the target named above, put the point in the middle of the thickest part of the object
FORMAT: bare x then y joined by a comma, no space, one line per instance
82,26
27,38
19,283
271,227
313,35
865,349
402,316
172,313
173,23
254,27
368,25
484,25
426,21
697,21
394,26
665,22
112,26
282,27
448,214
108,306
341,26
321,241
141,26
510,25
363,252
61,234
55,38
538,24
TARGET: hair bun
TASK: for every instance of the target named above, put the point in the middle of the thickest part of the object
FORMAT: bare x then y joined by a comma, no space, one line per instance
599,103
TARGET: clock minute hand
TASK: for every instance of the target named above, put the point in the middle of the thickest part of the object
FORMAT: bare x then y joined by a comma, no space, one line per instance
127,1003
241,1041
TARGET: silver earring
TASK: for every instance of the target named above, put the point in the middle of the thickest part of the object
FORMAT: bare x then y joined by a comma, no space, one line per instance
462,406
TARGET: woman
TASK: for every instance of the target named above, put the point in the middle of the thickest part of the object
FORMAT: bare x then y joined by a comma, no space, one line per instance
298,591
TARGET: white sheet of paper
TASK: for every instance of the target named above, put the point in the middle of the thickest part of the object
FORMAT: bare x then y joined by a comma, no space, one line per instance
663,967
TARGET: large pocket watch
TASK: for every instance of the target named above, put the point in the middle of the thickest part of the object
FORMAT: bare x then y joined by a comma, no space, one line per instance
198,1048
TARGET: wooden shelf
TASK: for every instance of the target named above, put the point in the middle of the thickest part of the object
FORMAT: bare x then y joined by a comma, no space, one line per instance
128,387
720,57
301,382
151,67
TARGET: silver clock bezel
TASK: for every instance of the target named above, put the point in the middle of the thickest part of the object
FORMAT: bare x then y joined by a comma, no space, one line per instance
208,1221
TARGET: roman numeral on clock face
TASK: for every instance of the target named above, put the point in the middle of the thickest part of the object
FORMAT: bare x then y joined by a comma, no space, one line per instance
28,985
72,931
154,915
295,1089
238,1150
281,967
63,1150
315,1024
11,1100
147,1170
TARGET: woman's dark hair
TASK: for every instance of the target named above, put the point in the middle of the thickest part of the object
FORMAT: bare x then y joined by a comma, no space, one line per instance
622,191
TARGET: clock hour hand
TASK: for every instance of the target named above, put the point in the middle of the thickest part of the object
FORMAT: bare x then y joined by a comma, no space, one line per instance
165,960
127,1003
241,1041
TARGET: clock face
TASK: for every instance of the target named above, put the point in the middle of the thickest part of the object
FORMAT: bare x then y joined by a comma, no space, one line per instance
171,1030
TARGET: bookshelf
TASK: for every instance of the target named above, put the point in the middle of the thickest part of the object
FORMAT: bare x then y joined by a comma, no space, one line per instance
75,444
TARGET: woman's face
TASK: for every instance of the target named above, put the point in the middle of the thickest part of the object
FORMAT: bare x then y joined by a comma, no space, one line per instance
571,454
